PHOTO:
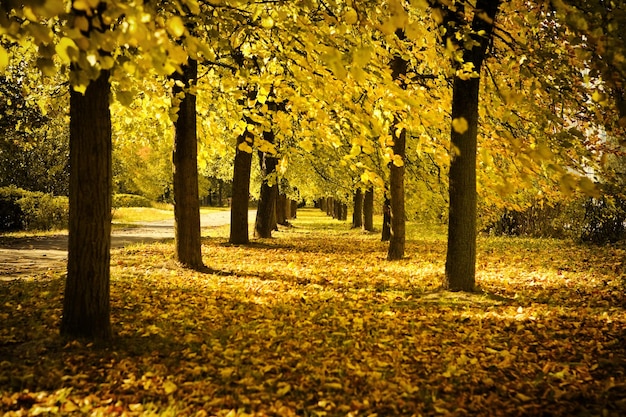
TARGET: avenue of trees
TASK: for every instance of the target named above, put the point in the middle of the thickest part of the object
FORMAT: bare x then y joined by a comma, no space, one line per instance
445,108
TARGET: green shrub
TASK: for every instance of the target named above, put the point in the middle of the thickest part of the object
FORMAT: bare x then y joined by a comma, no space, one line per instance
11,215
130,200
27,210
44,211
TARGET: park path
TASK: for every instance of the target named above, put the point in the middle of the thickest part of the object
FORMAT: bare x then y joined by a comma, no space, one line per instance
29,257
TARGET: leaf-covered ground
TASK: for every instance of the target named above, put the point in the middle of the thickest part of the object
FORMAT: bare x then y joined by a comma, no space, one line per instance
315,322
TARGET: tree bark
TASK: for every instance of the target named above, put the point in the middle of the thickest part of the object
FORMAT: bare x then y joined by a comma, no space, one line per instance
357,207
368,210
294,209
241,193
461,252
266,211
399,68
281,209
185,166
386,229
396,191
86,302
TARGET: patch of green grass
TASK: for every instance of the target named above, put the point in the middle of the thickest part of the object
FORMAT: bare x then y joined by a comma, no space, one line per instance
125,215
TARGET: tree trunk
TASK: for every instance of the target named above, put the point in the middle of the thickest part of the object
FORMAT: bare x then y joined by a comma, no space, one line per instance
86,302
396,191
185,165
461,251
266,214
281,209
399,68
241,193
357,213
294,209
386,230
368,210
330,207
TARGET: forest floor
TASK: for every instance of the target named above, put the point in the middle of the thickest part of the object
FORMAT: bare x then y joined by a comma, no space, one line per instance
23,257
315,322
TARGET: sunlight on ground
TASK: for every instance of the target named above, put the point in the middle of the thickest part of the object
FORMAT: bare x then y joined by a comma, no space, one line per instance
316,322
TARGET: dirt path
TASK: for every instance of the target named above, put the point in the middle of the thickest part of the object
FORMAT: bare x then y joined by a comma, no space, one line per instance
35,256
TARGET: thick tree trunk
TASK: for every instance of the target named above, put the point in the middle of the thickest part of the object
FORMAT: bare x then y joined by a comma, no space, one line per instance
86,302
185,165
266,211
330,206
241,193
357,209
399,68
368,210
461,251
396,191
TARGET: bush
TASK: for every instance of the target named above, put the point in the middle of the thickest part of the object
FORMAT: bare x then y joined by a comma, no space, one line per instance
27,210
130,200
44,211
11,215
604,220
559,221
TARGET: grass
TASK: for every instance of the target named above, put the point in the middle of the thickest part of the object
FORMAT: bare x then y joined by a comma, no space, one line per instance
129,215
315,322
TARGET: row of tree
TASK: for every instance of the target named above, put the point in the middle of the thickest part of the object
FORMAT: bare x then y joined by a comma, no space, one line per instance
331,95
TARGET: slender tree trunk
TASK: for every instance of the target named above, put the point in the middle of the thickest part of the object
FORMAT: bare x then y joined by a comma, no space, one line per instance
86,302
281,209
294,209
266,214
241,193
396,191
330,207
386,229
368,210
461,252
357,213
185,163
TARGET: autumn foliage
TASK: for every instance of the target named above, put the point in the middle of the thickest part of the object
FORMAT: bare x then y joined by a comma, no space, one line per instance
316,322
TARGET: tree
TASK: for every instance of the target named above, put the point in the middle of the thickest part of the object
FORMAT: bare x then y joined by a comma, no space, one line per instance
357,208
461,251
399,68
86,301
368,210
266,216
185,163
241,191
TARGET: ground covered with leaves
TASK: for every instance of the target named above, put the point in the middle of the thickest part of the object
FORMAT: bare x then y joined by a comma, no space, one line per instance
315,322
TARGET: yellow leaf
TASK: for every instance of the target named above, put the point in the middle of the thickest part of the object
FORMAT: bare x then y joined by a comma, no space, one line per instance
245,147
460,125
284,390
350,16
67,50
4,58
169,387
397,161
307,145
598,96
362,56
267,22
176,26
588,187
